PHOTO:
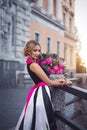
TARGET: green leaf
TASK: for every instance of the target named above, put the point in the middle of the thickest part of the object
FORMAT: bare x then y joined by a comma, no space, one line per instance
55,62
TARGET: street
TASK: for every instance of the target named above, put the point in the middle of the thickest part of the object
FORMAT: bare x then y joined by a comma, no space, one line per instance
12,101
11,105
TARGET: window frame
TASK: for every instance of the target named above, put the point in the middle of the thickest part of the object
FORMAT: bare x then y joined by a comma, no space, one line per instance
39,34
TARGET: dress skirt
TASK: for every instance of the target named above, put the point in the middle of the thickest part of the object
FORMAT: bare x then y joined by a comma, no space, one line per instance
37,113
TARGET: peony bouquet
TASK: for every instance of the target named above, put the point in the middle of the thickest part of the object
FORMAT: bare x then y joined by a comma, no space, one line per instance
51,64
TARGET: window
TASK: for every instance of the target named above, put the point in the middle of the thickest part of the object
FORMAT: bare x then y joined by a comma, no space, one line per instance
6,3
13,30
48,45
58,49
37,37
71,56
1,2
70,22
64,16
54,8
0,22
70,3
65,52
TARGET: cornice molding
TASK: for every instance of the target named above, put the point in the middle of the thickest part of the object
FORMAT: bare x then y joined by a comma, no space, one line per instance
37,11
70,36
17,2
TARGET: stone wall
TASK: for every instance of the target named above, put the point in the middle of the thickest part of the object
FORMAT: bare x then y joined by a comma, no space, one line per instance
8,73
14,29
14,33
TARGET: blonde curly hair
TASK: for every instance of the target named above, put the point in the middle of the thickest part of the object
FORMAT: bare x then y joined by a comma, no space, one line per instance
29,47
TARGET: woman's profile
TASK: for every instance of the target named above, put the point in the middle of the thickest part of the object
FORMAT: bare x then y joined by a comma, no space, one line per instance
38,113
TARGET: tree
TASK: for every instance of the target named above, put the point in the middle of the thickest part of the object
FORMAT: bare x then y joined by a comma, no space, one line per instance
80,68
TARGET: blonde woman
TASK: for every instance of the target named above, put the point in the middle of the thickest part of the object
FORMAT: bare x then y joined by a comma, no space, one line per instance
38,113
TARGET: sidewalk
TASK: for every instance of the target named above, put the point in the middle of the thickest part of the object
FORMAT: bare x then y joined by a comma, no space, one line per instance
12,128
11,104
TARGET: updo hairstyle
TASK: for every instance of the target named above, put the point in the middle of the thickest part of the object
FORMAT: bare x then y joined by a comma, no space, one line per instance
29,47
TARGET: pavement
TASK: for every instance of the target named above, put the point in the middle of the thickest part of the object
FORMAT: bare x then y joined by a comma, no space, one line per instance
12,128
12,101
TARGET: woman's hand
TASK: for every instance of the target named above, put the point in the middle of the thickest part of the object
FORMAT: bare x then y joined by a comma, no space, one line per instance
68,82
61,82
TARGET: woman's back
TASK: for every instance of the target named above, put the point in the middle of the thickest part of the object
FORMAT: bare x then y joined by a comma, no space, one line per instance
34,77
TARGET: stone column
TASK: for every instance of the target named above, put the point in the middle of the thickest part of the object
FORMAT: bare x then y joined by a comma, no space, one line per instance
59,10
50,7
40,3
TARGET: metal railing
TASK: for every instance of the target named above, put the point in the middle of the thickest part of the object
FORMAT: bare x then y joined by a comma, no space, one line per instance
80,93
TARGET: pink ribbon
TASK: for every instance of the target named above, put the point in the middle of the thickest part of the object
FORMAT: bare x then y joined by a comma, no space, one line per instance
29,60
31,92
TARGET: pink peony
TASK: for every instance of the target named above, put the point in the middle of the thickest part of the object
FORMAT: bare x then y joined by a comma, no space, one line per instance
60,65
56,68
49,60
52,64
43,62
49,69
60,71
52,71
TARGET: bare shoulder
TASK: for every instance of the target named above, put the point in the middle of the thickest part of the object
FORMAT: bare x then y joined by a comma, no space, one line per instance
34,66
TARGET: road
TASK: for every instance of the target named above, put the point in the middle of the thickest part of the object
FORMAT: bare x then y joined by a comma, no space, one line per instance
11,105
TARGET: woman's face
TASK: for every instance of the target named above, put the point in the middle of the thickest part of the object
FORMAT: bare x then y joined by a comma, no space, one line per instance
35,52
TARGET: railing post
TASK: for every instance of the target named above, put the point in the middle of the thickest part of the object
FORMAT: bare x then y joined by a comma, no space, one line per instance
58,100
21,80
58,97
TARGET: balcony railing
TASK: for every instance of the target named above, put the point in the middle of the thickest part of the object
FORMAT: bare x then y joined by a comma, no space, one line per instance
79,94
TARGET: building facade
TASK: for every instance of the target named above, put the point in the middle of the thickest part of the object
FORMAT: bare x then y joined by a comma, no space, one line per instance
53,26
70,39
14,32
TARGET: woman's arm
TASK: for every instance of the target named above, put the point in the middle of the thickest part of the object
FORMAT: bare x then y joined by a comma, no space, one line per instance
41,74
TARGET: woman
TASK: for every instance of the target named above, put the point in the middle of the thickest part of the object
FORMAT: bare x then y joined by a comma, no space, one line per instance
38,113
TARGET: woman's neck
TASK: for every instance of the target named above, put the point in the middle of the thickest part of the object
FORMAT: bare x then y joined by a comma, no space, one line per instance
33,60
